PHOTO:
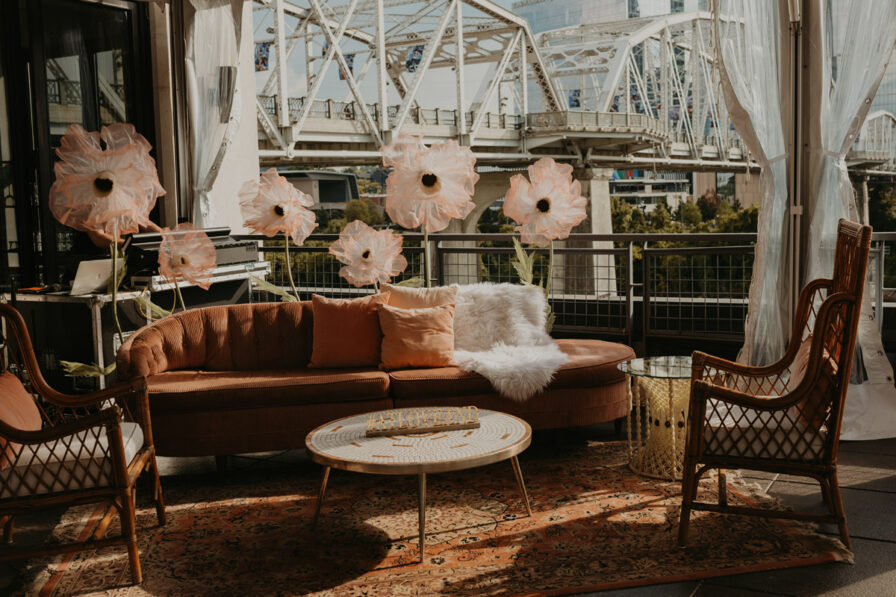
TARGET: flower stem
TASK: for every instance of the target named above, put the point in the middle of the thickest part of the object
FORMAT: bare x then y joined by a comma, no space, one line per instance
426,257
113,249
288,266
376,287
180,297
547,286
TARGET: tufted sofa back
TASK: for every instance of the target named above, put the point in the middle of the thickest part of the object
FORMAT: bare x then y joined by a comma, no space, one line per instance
223,338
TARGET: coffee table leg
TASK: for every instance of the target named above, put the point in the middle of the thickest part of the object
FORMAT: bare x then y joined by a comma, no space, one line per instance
320,496
518,473
421,521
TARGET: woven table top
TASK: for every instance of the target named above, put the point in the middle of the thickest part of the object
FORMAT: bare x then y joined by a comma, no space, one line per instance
343,444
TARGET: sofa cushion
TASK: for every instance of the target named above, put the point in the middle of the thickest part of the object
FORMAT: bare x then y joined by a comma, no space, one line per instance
405,297
187,391
346,332
17,409
591,363
417,337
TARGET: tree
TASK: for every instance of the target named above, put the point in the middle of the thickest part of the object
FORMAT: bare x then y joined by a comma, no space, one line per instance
689,213
364,210
709,203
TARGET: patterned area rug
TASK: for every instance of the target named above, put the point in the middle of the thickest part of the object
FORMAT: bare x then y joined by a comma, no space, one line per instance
595,525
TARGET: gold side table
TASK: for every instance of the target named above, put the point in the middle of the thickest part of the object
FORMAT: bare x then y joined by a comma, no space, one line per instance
660,387
342,444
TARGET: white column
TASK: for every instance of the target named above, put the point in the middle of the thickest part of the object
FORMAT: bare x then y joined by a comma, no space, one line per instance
282,88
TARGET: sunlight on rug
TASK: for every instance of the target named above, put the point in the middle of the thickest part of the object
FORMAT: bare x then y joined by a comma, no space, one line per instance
595,525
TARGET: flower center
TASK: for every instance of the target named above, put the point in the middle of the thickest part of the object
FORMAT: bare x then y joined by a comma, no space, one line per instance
184,260
278,209
429,179
543,205
103,183
366,254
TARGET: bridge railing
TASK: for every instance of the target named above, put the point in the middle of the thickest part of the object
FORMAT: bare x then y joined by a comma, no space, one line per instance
335,110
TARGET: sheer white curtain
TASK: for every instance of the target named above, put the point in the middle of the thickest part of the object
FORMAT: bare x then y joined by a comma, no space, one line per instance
854,42
213,95
749,54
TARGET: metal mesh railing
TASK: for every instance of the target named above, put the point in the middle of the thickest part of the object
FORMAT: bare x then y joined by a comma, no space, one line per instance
697,292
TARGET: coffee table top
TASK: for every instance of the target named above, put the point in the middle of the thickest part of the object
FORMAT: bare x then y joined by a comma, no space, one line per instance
343,444
665,367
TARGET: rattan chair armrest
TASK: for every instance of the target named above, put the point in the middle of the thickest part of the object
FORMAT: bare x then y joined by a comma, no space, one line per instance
700,360
133,386
729,396
106,417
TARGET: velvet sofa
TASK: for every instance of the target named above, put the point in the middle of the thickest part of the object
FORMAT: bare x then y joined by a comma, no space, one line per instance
234,379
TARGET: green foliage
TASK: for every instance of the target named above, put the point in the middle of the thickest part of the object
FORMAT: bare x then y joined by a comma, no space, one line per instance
709,203
335,226
369,187
689,213
415,282
524,265
263,284
364,210
75,369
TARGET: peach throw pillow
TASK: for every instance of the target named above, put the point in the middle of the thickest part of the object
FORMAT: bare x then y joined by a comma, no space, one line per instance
416,298
346,332
17,409
417,337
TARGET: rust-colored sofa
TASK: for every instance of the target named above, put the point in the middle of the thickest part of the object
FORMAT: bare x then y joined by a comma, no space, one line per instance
233,379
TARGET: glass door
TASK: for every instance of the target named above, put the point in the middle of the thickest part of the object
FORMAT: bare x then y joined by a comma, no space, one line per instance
88,64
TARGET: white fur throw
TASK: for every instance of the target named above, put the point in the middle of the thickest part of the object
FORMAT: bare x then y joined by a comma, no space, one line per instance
499,333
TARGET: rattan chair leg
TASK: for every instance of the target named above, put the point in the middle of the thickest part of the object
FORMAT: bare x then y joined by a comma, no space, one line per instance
158,498
838,510
7,529
688,493
100,530
129,531
826,495
723,489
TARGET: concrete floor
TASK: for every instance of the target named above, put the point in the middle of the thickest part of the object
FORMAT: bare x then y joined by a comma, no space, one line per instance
868,485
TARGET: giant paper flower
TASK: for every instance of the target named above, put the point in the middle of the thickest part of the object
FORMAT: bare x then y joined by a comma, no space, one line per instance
105,190
370,256
187,253
548,205
428,186
273,205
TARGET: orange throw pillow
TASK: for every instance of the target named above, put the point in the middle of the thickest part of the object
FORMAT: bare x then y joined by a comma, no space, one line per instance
346,332
17,409
416,298
417,337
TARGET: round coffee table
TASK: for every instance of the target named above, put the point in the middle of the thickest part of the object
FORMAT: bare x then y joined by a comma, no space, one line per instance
662,387
342,444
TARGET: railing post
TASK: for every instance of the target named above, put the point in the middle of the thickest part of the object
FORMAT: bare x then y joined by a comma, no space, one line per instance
630,294
329,108
645,297
437,262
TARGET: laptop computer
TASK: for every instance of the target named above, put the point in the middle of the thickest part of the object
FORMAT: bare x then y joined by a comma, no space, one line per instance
92,276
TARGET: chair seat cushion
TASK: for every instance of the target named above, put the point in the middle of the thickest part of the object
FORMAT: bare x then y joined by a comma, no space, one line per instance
591,363
81,461
774,435
187,391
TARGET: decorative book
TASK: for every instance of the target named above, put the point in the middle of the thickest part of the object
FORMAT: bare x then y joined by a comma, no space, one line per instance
422,420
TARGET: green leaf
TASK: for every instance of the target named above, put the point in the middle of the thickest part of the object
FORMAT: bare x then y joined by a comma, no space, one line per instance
524,264
549,320
153,310
273,289
75,369
415,282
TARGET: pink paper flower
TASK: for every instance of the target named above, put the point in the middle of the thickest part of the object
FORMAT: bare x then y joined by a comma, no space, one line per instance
428,186
548,205
187,253
370,256
273,205
109,191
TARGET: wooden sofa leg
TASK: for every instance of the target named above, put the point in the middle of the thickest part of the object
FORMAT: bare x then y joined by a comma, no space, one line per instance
221,463
7,522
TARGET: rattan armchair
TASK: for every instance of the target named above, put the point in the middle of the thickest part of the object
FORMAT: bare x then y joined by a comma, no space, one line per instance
785,417
59,450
